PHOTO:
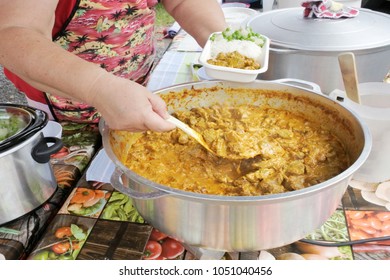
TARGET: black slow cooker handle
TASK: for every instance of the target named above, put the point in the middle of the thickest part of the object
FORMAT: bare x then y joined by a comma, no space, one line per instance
41,152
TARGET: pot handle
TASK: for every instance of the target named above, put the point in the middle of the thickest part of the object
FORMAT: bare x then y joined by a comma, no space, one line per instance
117,184
337,95
313,86
41,152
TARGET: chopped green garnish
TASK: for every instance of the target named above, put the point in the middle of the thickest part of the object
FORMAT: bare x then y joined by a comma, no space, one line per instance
244,34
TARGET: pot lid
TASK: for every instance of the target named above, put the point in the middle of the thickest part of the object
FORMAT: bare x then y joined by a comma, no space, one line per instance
288,28
18,122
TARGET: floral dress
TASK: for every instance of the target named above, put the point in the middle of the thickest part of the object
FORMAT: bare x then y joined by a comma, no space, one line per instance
117,35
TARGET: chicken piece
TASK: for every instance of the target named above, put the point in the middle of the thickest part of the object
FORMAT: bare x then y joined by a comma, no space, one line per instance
296,167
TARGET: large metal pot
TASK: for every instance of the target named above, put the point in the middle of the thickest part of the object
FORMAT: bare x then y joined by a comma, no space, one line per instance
308,48
251,222
25,171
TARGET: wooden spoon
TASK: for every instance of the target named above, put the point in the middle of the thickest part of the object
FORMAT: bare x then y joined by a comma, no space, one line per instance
348,70
197,136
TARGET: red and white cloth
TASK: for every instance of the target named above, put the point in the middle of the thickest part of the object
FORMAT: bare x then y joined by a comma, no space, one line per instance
328,9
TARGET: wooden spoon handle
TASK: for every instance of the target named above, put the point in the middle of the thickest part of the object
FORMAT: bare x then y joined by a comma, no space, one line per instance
349,74
183,126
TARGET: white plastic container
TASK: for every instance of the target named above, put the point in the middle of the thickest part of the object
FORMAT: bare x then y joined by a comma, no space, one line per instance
374,110
238,16
233,74
52,129
268,5
282,4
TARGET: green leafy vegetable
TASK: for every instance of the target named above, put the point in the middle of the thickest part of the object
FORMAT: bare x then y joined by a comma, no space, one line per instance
10,125
334,229
77,232
120,208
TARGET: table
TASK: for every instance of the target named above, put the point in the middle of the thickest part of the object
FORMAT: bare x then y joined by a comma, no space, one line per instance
111,228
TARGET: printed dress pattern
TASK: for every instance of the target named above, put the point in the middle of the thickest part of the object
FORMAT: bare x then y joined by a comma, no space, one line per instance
117,35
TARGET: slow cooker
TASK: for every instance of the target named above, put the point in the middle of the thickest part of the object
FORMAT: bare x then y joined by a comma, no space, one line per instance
25,170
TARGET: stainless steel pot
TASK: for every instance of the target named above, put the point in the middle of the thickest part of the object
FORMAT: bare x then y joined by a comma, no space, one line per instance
242,223
25,171
308,49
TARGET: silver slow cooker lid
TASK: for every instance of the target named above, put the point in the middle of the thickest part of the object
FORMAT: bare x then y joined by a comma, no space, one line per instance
288,28
13,120
18,122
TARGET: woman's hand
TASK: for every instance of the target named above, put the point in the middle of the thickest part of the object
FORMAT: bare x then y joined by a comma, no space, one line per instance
126,105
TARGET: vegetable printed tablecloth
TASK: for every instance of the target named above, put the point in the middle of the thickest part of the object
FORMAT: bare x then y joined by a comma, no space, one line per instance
18,238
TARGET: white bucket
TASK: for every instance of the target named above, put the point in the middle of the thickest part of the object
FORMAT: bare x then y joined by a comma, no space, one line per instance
374,111
282,4
237,16
268,5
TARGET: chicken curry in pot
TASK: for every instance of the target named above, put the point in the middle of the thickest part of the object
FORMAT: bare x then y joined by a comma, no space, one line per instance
284,150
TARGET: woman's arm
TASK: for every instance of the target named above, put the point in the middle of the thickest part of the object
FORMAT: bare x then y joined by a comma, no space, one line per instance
198,17
26,49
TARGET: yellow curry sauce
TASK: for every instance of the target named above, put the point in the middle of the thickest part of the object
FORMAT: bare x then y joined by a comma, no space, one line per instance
289,152
234,60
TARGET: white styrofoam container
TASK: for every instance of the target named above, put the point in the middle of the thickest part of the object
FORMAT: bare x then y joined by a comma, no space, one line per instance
234,74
